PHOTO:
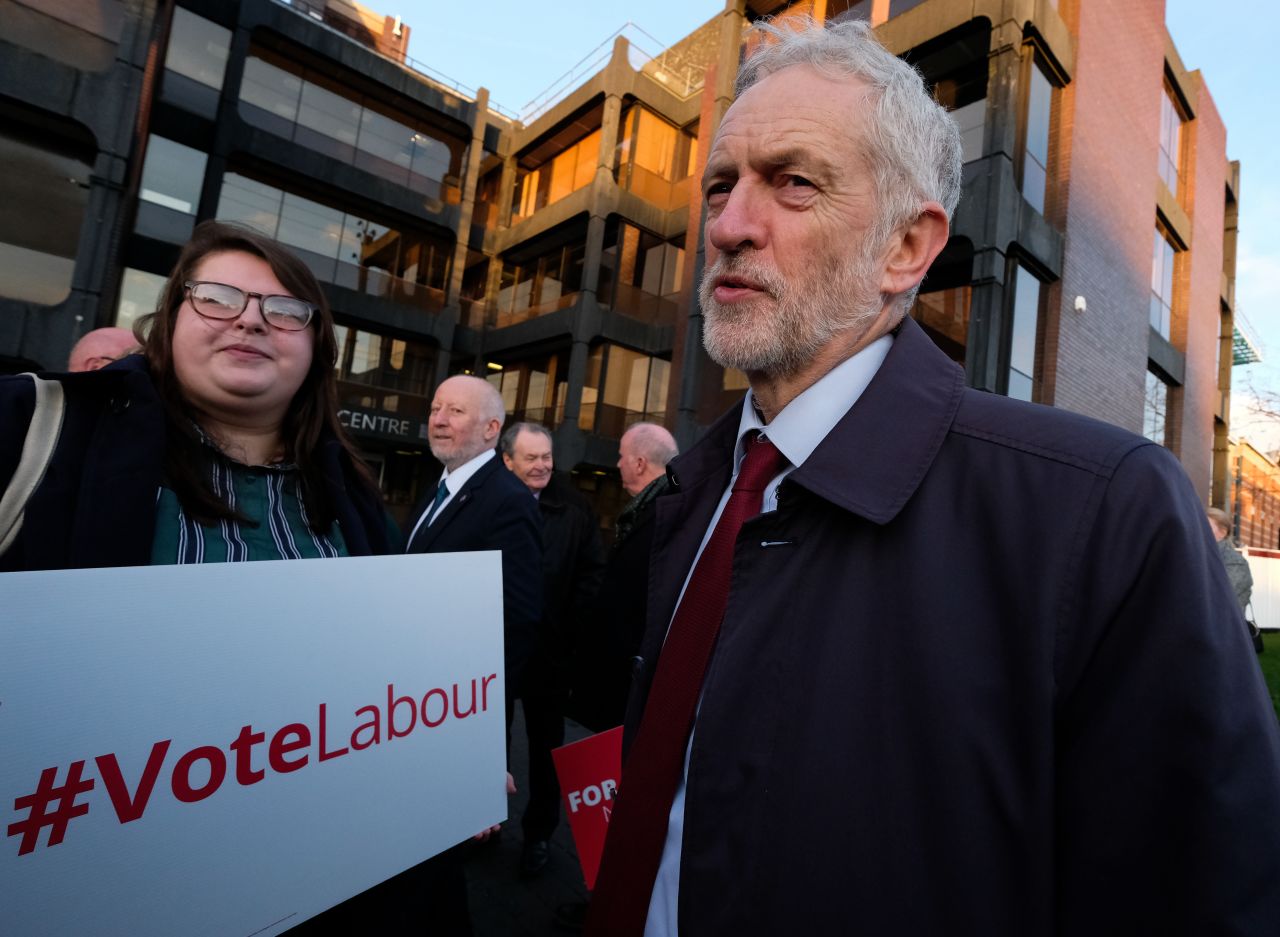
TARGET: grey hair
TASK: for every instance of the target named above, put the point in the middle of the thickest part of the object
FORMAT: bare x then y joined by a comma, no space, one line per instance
912,144
491,405
1221,518
507,443
653,442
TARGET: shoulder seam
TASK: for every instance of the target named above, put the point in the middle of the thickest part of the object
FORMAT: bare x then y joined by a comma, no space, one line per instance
1104,468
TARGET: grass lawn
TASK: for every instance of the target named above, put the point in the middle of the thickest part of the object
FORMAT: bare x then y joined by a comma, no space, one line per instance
1270,661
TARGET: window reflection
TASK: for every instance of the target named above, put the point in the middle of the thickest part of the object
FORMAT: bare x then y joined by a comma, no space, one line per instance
570,170
383,373
533,389
640,273
341,248
540,285
43,194
197,49
139,296
1023,332
172,175
1035,163
1161,306
944,315
288,101
1155,410
1170,141
622,387
655,159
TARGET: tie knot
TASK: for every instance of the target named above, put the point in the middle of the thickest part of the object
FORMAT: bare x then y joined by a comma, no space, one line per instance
761,462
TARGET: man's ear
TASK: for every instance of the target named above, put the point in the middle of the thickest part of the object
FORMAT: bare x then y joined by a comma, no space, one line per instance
492,429
913,249
508,462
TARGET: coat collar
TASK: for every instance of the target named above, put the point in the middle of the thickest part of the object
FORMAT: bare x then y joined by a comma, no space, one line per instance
878,453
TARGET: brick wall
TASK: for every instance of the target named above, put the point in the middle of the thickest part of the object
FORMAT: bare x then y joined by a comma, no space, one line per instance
1198,285
1107,157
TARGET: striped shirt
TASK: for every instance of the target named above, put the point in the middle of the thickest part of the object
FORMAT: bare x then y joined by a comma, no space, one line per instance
267,495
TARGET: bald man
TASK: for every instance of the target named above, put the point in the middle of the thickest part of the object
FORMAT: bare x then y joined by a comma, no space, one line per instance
99,348
479,505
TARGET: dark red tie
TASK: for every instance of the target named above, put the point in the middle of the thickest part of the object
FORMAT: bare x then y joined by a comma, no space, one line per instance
655,763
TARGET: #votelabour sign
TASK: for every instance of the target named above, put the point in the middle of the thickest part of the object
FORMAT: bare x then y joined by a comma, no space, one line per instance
230,749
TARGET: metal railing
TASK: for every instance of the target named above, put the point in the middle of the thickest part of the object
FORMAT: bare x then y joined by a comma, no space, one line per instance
679,76
315,11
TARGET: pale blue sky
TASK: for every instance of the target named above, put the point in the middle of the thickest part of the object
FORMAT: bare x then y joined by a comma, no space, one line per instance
1231,44
517,50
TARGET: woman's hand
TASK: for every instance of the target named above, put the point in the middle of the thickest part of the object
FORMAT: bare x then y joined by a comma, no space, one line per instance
484,835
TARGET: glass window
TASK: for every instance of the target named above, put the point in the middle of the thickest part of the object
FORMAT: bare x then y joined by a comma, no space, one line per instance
273,96
172,175
248,201
333,122
635,389
1162,260
944,315
971,120
197,48
310,226
139,296
568,172
277,96
1022,335
392,364
1035,163
1155,410
344,249
385,139
43,195
902,6
1170,141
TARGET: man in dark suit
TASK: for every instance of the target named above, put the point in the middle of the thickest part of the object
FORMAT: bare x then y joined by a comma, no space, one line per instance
479,505
918,659
572,560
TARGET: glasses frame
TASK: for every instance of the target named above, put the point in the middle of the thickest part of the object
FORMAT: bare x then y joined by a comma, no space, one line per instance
190,285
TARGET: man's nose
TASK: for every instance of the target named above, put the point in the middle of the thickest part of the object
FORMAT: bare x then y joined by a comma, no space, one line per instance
740,223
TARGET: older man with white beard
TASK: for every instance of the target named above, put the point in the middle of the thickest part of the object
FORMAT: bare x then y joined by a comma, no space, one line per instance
918,660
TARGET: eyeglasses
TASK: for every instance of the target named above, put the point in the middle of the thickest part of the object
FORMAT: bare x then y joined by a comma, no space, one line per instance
220,301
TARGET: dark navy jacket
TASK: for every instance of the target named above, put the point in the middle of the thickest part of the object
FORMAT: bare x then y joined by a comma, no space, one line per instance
96,505
981,673
494,511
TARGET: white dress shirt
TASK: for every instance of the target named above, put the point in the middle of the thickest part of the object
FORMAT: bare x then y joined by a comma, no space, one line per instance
796,431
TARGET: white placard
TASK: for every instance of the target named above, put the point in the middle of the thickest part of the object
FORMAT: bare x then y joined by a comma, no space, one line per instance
353,709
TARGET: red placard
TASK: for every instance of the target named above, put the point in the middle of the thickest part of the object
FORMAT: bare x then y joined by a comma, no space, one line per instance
589,771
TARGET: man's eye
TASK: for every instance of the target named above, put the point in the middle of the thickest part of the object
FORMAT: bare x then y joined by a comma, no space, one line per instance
793,180
718,191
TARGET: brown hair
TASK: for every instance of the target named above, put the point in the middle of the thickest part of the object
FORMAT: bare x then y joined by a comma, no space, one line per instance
312,414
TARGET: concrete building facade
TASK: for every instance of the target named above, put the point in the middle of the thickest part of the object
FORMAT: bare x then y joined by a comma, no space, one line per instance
1091,264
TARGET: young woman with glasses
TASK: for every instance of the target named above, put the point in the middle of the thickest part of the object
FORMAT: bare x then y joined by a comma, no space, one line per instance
219,442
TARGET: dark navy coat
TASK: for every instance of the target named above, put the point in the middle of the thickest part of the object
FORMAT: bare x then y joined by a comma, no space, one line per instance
981,673
494,511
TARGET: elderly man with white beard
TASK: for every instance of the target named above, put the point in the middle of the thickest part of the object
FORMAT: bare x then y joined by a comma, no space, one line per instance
918,659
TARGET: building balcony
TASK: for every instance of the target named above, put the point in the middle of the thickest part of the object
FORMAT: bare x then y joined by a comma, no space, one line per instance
478,314
649,308
654,188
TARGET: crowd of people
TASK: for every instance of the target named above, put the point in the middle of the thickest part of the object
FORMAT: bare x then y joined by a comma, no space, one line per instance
893,656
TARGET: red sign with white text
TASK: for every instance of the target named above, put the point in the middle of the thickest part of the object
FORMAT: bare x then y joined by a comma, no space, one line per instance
589,771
